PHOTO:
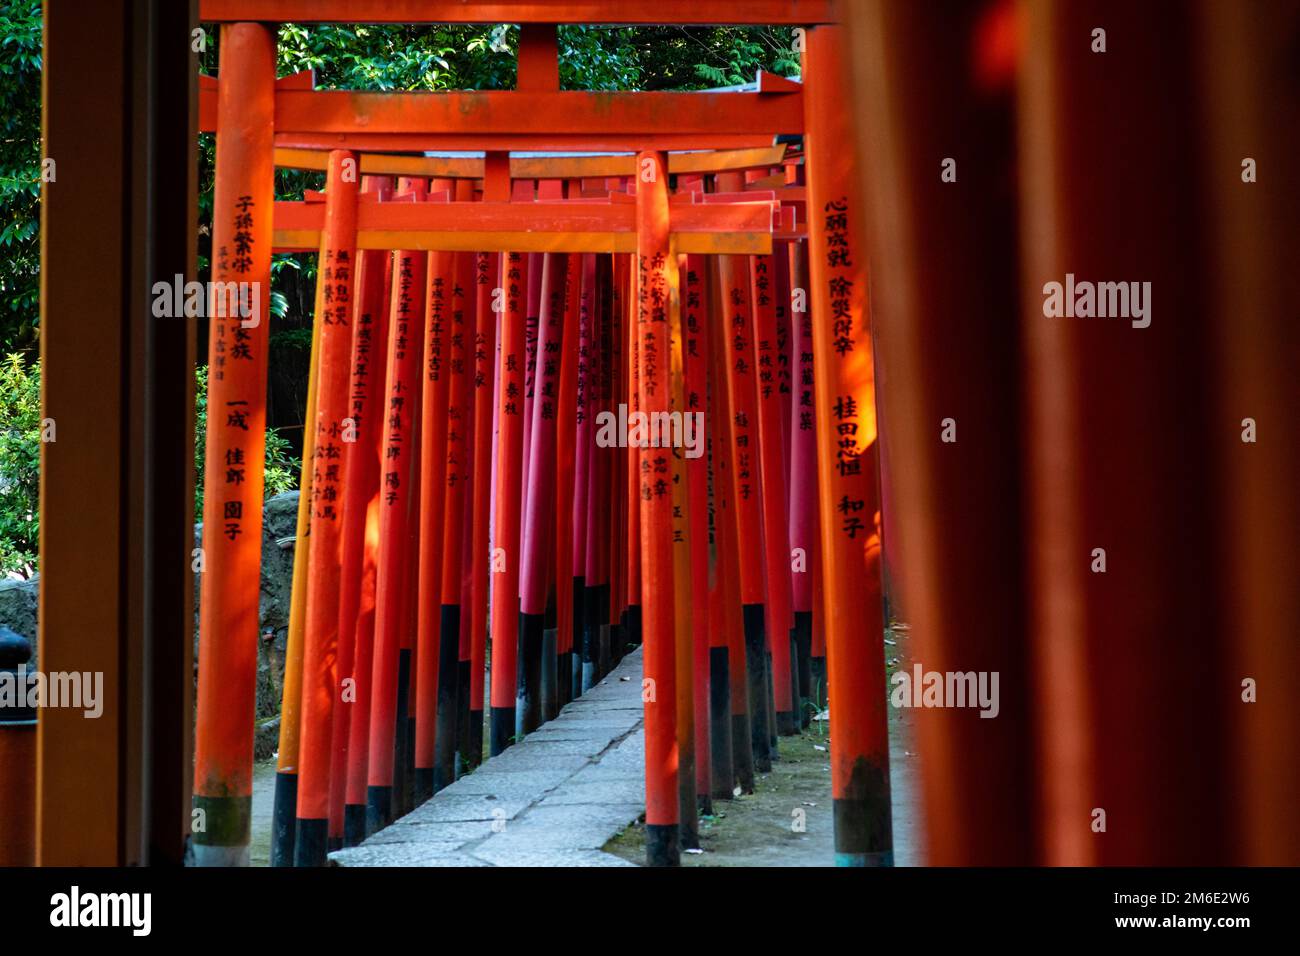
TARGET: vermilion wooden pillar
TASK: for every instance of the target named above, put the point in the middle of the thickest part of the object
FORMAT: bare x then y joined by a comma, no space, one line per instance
746,493
439,303
1254,288
453,686
320,682
486,365
776,538
505,557
803,478
232,510
657,295
948,350
1134,694
695,359
360,534
401,403
847,467
284,814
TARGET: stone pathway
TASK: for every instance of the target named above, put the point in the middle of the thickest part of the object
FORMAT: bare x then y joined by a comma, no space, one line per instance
553,799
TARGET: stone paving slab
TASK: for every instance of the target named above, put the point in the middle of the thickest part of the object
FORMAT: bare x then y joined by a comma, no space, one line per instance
553,799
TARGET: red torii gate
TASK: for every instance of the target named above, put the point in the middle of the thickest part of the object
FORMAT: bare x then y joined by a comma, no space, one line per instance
656,229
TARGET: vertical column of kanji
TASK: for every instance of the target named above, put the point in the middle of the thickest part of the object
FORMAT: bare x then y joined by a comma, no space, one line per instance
733,273
673,438
485,375
776,537
847,469
360,509
509,486
243,202
402,397
657,293
447,726
334,283
803,478
728,631
694,415
439,293
539,518
566,434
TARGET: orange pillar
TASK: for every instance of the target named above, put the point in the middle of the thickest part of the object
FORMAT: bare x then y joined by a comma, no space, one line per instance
803,479
504,560
440,292
657,300
360,528
566,433
695,354
485,373
733,272
242,206
400,407
776,536
847,468
683,589
453,685
320,684
727,627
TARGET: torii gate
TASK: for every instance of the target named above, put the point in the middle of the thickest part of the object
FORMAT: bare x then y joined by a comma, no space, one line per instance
255,117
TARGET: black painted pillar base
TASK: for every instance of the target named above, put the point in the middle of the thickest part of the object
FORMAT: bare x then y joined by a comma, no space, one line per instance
756,671
617,645
423,784
550,678
502,731
770,683
863,831
661,845
445,727
742,752
354,824
462,718
787,723
720,754
379,809
817,667
605,662
802,639
311,842
688,817
283,814
634,624
400,745
528,674
474,753
590,639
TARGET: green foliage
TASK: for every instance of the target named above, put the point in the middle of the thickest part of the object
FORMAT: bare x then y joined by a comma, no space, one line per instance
281,468
20,172
20,465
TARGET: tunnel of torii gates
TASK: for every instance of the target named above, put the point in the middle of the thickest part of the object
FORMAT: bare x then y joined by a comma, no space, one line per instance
559,405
